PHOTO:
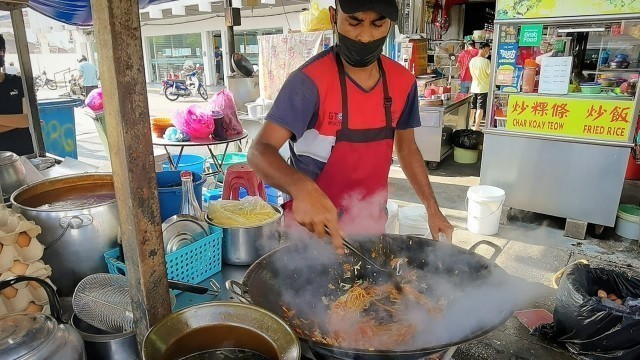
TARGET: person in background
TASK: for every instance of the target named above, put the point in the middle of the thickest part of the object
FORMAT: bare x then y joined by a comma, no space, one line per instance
12,69
218,58
463,65
14,121
88,75
480,68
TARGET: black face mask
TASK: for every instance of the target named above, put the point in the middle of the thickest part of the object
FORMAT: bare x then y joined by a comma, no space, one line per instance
359,54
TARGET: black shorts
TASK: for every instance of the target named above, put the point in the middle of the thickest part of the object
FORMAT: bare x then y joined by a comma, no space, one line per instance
479,101
17,141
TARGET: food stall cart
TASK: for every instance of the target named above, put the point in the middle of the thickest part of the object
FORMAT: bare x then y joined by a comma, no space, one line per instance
555,143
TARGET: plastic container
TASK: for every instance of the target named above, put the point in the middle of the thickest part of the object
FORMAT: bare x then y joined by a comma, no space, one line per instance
529,76
191,264
59,128
274,196
592,88
170,192
628,221
412,220
464,156
188,162
484,208
392,221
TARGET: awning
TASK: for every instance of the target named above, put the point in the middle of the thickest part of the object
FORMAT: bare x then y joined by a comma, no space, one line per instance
74,12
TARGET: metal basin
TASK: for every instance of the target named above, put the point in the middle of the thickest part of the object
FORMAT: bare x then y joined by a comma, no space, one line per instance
218,325
78,215
12,174
244,246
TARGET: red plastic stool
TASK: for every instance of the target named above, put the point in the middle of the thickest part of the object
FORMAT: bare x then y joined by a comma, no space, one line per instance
242,176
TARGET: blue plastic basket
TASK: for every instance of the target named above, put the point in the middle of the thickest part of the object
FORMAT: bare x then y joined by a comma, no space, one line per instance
191,264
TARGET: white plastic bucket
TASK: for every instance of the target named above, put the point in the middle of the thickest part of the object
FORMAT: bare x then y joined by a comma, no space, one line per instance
412,220
484,209
628,222
392,221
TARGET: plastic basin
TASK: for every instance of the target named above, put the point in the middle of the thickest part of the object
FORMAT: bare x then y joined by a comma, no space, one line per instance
188,162
170,192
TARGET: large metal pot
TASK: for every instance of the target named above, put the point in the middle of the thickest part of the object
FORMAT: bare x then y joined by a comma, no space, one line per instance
244,246
12,174
102,345
76,233
219,325
38,336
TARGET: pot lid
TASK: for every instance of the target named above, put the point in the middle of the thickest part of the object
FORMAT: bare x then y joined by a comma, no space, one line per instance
7,157
23,334
182,230
242,65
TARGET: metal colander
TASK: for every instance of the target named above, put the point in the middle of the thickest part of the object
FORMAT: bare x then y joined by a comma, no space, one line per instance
103,301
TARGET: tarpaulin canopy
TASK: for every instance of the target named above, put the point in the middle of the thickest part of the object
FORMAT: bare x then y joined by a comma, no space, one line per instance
74,12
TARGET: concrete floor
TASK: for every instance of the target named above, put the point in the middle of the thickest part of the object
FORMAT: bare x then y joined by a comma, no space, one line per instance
533,245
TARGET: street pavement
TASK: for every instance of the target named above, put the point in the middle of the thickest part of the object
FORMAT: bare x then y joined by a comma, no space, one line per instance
533,246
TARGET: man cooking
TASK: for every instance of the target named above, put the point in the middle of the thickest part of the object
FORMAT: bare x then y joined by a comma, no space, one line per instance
15,135
341,112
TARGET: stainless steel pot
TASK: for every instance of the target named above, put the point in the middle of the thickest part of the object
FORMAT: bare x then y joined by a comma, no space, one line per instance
218,325
12,174
244,246
75,237
101,345
38,336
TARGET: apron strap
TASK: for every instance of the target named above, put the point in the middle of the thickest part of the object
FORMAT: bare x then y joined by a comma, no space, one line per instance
388,101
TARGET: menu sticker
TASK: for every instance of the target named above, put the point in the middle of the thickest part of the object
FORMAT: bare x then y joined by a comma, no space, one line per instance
506,63
555,75
508,34
531,35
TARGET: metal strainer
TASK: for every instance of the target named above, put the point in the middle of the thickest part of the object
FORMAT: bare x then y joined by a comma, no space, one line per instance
103,301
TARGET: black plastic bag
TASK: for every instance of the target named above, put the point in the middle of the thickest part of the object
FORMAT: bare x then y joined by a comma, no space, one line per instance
589,328
467,139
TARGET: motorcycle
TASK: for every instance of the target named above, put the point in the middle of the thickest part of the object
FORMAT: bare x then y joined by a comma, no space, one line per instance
175,89
42,80
75,90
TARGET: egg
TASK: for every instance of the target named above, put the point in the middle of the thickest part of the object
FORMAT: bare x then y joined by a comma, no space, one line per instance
9,292
602,294
23,240
19,268
33,308
34,285
612,297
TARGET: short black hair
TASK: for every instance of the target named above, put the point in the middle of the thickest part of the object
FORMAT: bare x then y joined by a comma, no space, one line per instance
484,45
3,45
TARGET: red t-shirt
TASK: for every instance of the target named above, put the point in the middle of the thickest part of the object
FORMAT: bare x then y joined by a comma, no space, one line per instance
463,63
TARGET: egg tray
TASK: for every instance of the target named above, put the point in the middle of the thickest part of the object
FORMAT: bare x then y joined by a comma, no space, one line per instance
30,299
36,269
12,225
27,255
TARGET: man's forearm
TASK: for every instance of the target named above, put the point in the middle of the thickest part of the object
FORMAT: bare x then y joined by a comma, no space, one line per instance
416,171
14,121
274,170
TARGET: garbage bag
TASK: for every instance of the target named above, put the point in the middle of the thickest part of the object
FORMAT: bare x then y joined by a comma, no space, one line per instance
315,19
467,139
223,101
590,327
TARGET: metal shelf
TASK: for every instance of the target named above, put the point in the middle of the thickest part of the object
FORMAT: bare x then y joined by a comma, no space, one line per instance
601,69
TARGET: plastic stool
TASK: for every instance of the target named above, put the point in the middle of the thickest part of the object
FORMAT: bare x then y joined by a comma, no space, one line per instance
242,176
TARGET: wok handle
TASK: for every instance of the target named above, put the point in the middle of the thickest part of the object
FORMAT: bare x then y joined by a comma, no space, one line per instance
185,287
497,250
240,291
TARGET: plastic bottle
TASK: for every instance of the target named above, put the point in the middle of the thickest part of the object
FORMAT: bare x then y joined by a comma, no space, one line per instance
529,76
189,202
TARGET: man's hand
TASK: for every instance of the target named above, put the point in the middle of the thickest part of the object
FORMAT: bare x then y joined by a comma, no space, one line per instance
438,224
313,210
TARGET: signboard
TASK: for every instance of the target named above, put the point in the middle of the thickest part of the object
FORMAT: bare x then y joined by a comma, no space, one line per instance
514,86
555,73
570,117
506,59
531,35
508,34
536,9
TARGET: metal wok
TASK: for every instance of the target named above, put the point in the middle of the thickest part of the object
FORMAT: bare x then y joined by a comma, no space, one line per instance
299,275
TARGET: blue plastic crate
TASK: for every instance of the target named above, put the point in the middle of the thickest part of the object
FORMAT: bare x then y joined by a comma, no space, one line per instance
191,264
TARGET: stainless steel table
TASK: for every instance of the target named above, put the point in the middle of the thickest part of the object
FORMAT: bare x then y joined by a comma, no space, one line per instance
208,143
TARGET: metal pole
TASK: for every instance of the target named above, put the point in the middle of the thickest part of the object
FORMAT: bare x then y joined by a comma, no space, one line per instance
117,28
22,47
231,39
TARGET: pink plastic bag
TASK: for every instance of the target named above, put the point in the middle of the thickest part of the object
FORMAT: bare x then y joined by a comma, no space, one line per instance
223,101
194,121
94,100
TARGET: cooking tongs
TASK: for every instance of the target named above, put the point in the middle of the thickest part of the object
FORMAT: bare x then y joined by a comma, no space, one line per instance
353,249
